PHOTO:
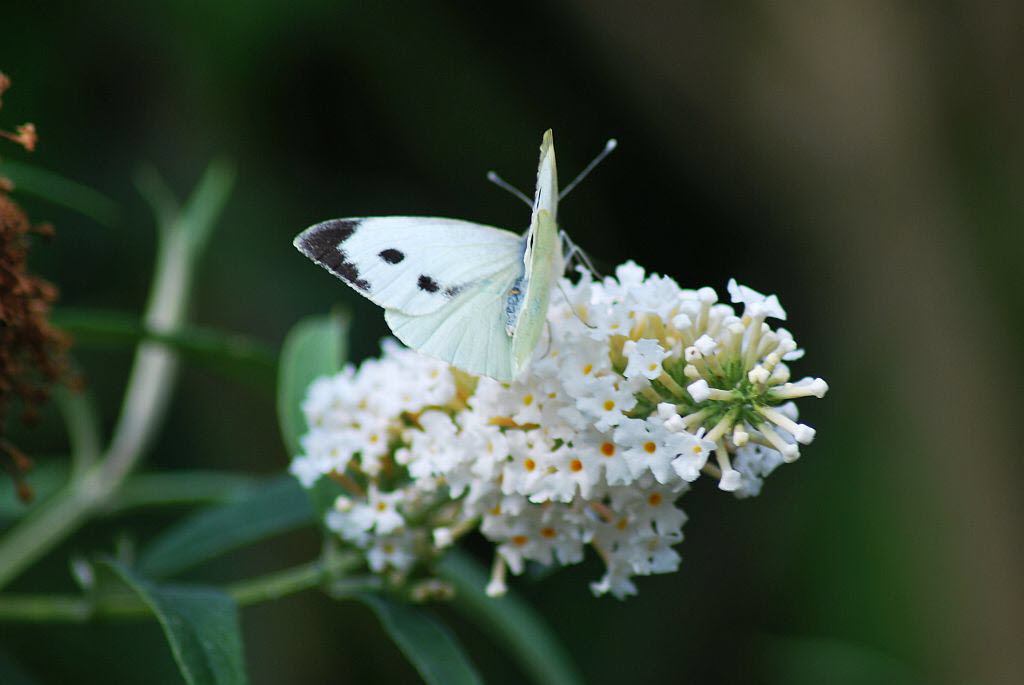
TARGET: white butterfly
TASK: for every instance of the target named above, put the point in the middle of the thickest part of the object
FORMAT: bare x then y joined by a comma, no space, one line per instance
472,295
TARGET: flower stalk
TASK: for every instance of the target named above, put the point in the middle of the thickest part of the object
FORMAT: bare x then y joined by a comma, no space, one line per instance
78,609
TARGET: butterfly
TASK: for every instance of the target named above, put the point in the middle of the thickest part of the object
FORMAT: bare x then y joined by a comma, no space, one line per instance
472,295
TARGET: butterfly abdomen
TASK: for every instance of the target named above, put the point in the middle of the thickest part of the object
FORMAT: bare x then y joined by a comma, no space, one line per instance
513,305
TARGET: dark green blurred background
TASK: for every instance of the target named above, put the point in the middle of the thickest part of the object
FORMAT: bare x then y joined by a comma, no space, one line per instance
864,160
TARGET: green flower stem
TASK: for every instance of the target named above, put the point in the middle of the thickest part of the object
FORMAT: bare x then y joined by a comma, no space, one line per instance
42,608
78,609
288,582
147,394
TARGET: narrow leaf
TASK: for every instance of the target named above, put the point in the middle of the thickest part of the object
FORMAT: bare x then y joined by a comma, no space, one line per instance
61,191
511,622
229,352
180,488
201,625
314,347
427,643
277,507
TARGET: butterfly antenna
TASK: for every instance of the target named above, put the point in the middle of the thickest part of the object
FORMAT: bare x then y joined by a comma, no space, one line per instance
608,147
505,185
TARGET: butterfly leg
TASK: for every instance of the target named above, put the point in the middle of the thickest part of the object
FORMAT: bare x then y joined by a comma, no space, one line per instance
573,251
571,307
547,329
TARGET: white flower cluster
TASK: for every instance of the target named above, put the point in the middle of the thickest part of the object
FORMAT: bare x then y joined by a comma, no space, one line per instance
639,384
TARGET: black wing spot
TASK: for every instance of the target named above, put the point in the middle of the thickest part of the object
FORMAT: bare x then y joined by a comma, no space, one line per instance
452,291
392,256
322,243
428,284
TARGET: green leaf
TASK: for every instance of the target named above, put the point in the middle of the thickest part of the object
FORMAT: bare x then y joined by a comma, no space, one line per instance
427,643
180,488
511,622
201,625
61,191
278,507
234,354
314,347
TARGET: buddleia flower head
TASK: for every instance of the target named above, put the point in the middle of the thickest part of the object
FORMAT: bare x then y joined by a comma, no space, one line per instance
641,389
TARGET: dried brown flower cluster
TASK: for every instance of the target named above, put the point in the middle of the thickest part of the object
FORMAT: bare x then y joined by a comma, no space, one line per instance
32,353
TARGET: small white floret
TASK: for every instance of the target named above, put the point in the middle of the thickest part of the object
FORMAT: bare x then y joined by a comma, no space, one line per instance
707,295
804,434
681,322
758,374
675,424
666,410
645,357
699,390
755,304
443,537
706,344
731,480
740,437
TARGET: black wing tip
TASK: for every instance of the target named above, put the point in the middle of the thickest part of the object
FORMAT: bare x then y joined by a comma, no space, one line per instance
316,240
323,242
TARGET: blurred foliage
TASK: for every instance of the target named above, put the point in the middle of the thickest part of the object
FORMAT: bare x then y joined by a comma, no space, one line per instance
201,625
862,161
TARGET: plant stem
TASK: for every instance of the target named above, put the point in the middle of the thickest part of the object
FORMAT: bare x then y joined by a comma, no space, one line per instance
145,399
290,581
144,403
39,608
77,609
83,429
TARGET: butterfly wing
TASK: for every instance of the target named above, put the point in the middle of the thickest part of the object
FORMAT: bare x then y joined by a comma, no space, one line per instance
543,263
448,286
544,269
415,265
545,195
469,331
